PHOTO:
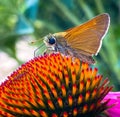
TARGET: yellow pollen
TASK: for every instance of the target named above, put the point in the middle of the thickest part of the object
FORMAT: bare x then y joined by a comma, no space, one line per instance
60,75
26,104
94,93
44,86
65,71
51,104
73,77
65,114
94,82
81,75
60,102
54,92
66,80
80,99
63,90
68,61
39,94
50,84
25,111
88,84
54,115
72,68
32,100
43,113
85,108
47,94
34,113
81,86
77,65
85,66
58,82
40,102
75,112
87,74
70,100
87,96
92,106
94,72
74,89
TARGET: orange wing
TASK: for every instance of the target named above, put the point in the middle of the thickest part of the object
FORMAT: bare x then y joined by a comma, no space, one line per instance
87,38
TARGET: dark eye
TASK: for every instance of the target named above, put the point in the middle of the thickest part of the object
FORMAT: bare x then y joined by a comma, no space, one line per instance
51,40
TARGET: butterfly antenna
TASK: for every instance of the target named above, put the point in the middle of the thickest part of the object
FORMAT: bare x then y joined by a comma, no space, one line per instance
39,40
38,49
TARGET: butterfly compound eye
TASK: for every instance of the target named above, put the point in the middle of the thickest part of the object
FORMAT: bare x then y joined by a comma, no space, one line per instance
51,40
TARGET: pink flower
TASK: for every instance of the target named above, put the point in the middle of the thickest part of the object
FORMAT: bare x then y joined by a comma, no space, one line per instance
114,104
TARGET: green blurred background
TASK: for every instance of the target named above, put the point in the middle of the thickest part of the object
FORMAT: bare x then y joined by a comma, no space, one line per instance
23,21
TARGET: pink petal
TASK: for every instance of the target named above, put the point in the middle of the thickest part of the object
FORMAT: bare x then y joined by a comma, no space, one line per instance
114,97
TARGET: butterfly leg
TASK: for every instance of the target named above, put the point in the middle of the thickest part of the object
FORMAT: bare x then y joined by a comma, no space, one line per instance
36,51
49,50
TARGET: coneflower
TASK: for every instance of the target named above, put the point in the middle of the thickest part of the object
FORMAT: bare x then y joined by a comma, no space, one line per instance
54,86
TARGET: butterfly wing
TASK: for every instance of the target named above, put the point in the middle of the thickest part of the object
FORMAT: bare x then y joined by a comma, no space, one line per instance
87,38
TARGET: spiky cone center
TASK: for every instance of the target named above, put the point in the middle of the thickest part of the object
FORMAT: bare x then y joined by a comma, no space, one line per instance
54,86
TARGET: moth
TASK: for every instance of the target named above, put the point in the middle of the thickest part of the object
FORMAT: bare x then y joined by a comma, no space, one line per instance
82,41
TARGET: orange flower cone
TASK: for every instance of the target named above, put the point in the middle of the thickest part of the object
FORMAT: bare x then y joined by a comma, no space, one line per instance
54,86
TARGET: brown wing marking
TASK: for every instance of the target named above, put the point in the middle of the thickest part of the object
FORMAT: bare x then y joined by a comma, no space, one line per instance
87,37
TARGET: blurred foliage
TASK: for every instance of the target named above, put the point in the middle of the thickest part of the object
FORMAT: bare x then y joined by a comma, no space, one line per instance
40,17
